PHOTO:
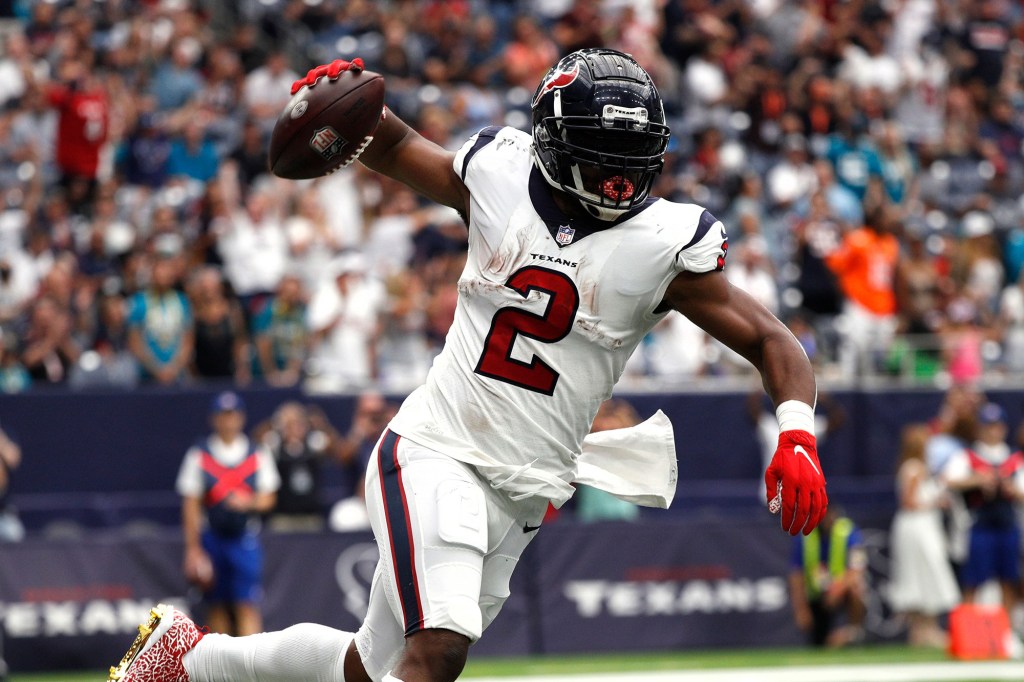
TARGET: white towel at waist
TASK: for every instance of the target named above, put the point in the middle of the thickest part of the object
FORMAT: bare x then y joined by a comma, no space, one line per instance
636,464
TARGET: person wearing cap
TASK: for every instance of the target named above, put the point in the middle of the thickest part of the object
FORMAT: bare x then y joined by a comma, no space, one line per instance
990,476
226,481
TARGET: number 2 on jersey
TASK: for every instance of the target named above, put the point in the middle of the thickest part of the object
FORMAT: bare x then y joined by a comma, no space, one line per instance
554,324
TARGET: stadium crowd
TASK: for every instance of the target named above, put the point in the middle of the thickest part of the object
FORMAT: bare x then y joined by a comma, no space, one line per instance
866,157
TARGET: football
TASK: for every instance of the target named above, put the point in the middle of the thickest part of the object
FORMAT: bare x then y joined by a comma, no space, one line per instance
326,127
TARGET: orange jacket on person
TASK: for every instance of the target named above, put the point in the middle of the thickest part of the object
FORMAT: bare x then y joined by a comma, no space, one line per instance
865,263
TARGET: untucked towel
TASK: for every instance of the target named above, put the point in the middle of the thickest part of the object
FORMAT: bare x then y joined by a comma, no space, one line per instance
636,464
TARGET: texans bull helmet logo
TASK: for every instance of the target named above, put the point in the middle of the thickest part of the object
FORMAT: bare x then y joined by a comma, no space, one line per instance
557,79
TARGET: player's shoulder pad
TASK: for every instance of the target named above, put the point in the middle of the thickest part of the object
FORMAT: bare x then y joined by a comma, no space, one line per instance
493,148
699,238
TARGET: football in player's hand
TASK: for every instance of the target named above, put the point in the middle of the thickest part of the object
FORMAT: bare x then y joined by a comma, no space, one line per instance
327,126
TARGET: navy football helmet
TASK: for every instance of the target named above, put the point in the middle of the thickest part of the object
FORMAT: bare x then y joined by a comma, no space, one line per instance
599,130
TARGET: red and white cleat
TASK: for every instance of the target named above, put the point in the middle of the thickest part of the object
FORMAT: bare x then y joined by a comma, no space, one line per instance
155,655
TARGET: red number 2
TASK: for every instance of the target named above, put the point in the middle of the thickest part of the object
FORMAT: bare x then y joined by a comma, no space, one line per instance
508,323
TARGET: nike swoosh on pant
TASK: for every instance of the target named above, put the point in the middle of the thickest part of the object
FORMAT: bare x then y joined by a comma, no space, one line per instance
800,449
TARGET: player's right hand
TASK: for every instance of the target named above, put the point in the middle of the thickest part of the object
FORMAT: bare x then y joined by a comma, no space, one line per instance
794,483
332,71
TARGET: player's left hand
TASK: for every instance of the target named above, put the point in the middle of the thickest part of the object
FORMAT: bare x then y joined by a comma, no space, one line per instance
794,483
332,71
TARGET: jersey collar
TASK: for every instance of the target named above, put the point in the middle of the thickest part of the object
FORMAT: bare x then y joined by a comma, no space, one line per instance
558,223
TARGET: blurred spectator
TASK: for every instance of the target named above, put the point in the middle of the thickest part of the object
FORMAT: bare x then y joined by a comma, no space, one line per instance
865,264
312,243
986,38
253,245
267,89
279,333
193,155
674,351
920,286
225,482
962,341
81,129
752,272
160,323
14,378
529,54
921,105
591,504
897,164
15,67
177,80
18,285
403,354
302,440
990,476
1011,321
108,362
249,159
816,238
343,320
371,415
922,587
49,350
827,581
793,178
11,528
582,26
221,339
978,267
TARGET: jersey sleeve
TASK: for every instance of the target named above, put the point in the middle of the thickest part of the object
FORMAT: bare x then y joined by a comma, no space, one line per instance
470,149
268,480
190,475
495,166
706,247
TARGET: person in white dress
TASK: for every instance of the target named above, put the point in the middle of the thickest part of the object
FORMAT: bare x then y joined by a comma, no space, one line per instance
923,585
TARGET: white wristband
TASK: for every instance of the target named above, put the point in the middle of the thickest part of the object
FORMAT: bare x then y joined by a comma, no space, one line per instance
794,415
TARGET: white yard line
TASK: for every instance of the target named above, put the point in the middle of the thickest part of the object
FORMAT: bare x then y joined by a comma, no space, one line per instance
893,672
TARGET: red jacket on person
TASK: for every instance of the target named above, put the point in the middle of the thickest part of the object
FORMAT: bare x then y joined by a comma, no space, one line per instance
81,129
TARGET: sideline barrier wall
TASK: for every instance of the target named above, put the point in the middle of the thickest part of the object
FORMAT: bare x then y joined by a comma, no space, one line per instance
580,588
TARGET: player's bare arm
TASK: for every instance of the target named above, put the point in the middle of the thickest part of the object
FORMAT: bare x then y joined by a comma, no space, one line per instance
733,317
794,483
401,153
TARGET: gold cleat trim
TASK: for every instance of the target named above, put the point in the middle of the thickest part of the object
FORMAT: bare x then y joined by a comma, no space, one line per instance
156,614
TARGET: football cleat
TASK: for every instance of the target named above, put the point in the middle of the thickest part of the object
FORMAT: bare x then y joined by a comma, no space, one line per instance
156,653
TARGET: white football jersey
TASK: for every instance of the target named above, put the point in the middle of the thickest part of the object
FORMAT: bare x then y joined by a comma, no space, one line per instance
549,310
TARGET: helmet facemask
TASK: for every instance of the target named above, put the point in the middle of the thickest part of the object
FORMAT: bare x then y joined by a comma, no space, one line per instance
607,158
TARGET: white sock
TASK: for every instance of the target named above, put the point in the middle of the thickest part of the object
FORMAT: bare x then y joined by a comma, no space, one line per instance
302,653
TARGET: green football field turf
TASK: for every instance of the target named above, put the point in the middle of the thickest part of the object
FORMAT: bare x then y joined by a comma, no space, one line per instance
694,660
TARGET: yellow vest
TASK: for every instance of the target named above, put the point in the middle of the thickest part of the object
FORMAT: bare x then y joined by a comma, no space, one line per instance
838,539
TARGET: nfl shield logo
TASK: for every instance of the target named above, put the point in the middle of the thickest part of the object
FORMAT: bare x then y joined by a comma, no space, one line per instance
565,235
327,141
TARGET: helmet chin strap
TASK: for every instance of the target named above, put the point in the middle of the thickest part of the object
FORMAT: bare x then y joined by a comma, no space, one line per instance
602,213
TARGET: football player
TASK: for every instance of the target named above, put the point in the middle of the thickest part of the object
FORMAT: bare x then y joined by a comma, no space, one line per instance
571,262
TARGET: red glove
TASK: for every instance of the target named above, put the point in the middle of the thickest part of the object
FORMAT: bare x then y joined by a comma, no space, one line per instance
332,71
795,484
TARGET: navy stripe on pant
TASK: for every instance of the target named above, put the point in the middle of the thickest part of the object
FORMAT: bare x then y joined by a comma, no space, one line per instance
396,513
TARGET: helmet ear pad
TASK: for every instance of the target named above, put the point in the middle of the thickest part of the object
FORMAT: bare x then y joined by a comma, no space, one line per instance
599,130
